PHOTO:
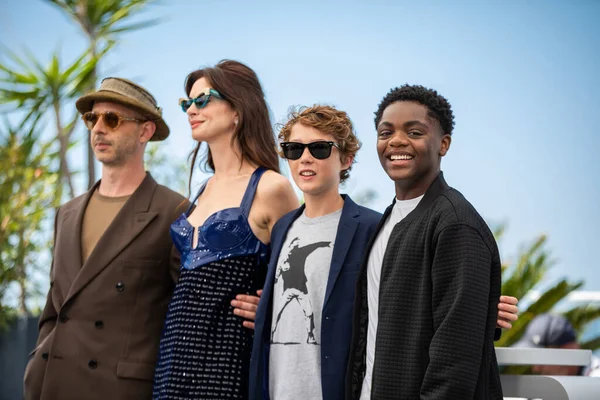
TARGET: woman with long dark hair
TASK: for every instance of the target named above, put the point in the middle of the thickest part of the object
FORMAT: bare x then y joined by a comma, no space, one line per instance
223,241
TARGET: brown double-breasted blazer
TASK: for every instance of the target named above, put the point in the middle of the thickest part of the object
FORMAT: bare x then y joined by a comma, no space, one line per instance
101,326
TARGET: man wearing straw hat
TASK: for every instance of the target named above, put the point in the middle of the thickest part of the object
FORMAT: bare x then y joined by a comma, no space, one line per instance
114,265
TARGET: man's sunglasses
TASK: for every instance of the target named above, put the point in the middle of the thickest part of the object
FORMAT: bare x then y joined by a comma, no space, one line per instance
201,101
111,119
319,150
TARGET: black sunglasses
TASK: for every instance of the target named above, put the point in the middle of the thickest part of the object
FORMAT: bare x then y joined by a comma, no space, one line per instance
111,119
319,150
201,101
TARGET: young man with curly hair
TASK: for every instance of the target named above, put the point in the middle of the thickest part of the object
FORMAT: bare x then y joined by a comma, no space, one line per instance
427,295
304,319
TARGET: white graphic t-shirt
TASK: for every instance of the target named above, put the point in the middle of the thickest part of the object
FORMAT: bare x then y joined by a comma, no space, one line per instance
298,295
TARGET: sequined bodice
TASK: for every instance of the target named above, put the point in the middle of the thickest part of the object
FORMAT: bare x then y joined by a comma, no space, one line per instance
224,234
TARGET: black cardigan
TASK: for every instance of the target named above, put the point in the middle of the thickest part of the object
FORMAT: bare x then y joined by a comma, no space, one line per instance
438,299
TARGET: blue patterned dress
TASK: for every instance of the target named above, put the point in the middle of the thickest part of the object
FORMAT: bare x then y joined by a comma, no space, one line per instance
205,350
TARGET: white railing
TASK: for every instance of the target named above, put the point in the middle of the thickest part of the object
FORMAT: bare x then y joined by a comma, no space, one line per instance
547,387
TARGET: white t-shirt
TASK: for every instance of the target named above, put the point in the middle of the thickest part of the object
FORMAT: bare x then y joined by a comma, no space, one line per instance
298,295
401,209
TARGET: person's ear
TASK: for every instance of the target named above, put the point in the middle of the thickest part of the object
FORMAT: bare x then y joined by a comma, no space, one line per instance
446,140
148,130
347,162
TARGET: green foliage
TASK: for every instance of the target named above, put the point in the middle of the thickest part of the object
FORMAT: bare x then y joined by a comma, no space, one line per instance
27,201
27,86
105,19
528,275
7,316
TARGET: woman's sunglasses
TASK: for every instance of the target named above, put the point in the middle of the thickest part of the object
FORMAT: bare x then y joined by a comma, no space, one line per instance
201,101
111,119
319,150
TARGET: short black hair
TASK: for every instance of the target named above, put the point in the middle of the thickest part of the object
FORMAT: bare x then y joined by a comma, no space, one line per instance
439,107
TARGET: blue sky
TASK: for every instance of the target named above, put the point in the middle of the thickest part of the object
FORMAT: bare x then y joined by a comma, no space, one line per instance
522,78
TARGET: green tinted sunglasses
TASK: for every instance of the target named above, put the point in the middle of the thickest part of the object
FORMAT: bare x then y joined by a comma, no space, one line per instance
201,101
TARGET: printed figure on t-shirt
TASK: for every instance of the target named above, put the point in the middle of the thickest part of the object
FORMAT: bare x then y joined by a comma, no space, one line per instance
293,274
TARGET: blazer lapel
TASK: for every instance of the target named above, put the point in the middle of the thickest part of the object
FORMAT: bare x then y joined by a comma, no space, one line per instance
343,239
129,222
384,218
72,221
263,318
276,245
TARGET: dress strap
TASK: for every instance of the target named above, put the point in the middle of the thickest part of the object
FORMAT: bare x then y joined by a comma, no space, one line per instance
251,190
187,213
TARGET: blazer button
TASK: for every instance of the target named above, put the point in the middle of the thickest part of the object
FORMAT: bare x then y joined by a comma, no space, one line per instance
45,356
120,286
63,319
99,324
93,364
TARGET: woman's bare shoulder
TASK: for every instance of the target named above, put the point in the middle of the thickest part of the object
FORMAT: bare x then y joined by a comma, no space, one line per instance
274,184
276,195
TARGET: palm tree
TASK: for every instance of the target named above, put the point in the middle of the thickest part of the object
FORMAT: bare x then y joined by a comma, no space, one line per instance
27,85
102,21
526,276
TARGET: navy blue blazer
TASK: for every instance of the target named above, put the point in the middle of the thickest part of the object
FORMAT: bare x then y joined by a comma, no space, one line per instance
355,228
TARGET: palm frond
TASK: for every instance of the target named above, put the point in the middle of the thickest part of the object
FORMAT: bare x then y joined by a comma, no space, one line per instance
592,344
582,315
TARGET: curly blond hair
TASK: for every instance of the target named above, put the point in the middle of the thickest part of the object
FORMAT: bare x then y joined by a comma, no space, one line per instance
327,120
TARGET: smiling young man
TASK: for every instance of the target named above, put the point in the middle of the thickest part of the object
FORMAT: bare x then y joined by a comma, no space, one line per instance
427,296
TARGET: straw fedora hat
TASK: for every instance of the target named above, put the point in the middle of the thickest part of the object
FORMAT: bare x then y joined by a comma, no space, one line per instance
129,94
